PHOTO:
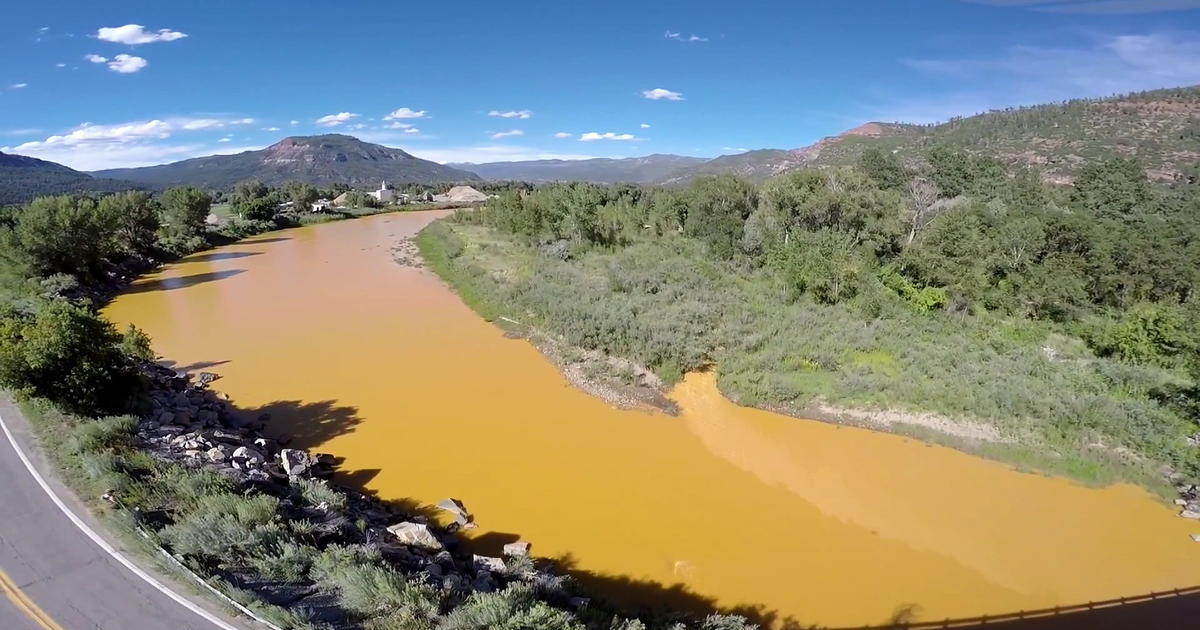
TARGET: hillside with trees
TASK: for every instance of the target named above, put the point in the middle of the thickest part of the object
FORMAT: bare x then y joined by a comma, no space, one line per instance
637,170
22,178
1062,322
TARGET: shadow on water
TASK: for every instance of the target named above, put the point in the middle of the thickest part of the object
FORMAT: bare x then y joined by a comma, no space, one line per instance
272,239
192,367
211,256
310,425
304,425
181,282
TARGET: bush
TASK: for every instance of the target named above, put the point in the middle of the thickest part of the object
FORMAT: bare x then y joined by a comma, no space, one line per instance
184,211
67,354
514,608
66,234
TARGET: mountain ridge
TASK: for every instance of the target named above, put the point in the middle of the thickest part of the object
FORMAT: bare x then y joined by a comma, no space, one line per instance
319,160
22,178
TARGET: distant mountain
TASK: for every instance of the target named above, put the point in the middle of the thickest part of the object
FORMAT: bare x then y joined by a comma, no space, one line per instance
762,164
639,170
22,178
318,160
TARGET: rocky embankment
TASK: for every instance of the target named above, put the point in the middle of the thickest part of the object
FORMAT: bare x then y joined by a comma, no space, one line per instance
188,424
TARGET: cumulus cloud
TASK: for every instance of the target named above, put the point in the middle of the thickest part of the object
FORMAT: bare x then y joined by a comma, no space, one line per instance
405,112
506,134
660,94
563,134
270,128
294,122
17,86
592,136
136,34
644,126
522,114
137,143
225,139
333,120
127,64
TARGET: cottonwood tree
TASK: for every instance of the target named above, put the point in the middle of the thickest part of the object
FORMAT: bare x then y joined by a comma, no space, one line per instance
920,196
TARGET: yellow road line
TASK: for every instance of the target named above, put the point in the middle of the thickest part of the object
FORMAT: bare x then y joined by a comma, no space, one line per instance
26,605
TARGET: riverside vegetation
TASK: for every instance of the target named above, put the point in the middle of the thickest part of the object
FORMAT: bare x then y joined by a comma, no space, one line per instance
1061,323
193,471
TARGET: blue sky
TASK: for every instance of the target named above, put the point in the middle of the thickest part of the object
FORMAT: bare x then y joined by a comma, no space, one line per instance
109,84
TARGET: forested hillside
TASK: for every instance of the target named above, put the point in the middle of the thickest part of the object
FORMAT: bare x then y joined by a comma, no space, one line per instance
1160,128
23,178
1055,327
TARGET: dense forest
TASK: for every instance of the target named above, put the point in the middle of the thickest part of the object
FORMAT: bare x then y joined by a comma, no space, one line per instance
1063,319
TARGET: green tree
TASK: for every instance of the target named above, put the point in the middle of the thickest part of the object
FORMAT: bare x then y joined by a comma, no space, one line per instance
301,194
67,354
184,211
1115,188
251,200
884,169
66,234
135,219
719,207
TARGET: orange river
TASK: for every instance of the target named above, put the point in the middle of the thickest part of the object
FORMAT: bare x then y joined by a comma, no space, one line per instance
722,505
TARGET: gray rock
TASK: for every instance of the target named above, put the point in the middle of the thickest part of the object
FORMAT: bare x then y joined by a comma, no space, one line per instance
489,563
519,548
1190,514
218,454
295,462
415,534
1195,537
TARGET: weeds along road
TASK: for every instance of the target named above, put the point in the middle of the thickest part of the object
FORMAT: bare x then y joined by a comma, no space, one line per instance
52,575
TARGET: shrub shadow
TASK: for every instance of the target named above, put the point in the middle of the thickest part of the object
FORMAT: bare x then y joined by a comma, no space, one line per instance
181,282
211,256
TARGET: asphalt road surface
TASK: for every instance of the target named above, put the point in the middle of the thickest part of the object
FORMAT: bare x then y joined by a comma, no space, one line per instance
54,577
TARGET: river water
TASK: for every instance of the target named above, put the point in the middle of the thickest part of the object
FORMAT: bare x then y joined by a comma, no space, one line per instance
383,365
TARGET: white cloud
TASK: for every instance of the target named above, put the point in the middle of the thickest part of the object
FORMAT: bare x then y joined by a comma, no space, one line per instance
608,135
94,58
333,120
734,149
506,134
405,112
17,86
1027,75
135,34
200,124
522,114
412,130
680,38
270,128
26,131
127,64
563,134
398,125
357,126
294,122
225,139
60,65
644,126
660,94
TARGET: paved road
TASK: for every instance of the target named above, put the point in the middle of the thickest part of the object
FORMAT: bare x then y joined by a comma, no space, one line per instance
52,576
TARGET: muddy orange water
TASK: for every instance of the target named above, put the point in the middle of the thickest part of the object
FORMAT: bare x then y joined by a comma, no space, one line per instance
385,366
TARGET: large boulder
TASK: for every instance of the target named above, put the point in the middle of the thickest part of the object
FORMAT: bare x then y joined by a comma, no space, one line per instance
295,462
489,563
519,548
415,534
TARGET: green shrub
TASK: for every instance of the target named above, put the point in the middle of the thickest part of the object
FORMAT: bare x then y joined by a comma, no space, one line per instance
67,354
517,607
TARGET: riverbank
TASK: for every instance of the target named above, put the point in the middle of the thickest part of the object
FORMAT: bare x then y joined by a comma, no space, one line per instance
957,376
